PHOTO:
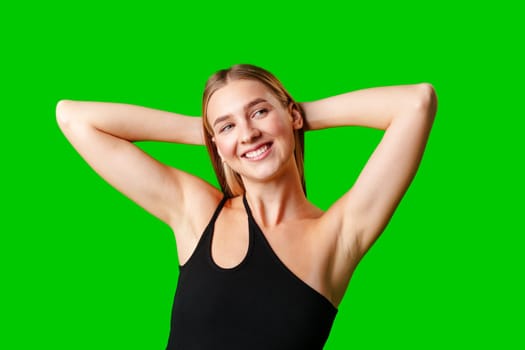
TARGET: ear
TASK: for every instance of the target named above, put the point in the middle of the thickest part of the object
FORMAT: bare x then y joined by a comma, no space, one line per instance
297,118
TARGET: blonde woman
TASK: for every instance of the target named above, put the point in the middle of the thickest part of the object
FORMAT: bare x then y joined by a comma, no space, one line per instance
260,266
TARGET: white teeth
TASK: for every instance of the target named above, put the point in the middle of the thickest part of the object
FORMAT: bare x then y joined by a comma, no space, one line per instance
257,152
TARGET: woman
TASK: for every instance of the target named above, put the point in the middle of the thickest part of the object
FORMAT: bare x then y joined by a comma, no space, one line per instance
261,267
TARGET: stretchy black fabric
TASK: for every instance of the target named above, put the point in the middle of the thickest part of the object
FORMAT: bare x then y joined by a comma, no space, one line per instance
259,304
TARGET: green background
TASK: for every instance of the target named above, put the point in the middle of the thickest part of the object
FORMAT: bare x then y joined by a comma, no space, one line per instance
83,267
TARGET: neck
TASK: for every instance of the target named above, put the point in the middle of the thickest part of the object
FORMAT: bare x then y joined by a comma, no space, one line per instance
273,202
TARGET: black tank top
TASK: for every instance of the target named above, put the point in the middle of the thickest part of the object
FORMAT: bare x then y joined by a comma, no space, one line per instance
258,304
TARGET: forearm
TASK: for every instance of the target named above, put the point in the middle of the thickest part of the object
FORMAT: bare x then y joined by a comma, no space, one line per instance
374,107
132,123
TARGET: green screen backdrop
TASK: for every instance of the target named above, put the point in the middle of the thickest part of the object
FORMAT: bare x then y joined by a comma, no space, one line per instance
83,267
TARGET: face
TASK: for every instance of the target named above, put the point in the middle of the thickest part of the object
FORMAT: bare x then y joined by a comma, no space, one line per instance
252,130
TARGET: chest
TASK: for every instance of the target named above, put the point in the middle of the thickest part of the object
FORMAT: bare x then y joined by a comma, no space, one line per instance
296,246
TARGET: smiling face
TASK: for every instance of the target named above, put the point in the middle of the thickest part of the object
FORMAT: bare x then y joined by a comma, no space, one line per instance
252,130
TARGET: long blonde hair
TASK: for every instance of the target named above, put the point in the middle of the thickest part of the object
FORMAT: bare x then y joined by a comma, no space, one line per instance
229,180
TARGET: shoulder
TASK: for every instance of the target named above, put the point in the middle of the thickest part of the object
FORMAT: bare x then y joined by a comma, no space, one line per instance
342,226
321,229
188,228
198,205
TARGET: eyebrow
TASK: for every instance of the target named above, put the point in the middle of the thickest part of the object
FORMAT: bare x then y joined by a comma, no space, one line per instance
246,107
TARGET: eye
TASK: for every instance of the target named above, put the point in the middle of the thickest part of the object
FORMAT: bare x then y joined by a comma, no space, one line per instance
226,127
260,112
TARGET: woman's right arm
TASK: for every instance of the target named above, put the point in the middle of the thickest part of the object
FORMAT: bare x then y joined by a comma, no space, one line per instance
103,134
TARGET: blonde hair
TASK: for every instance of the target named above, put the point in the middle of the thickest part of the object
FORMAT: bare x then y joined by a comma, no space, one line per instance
230,181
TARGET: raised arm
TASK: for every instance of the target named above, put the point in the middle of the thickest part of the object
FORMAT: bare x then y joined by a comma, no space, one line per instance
103,134
406,113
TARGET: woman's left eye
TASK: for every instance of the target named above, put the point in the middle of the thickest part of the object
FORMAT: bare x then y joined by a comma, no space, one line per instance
260,112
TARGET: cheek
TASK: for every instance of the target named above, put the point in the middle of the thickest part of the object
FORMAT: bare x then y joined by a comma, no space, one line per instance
282,128
225,147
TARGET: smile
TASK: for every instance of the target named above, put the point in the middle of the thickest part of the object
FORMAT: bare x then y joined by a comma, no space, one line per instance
258,153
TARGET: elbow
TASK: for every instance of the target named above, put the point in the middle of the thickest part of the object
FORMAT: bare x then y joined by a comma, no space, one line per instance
426,101
63,112
60,112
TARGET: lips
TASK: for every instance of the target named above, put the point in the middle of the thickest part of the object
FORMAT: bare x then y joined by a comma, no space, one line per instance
258,152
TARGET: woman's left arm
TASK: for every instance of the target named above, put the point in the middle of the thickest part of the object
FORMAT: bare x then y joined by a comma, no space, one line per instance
406,113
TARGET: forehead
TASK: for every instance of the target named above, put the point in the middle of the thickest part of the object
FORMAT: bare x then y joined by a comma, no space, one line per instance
231,98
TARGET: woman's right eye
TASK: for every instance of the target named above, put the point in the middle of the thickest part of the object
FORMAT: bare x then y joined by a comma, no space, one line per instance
226,127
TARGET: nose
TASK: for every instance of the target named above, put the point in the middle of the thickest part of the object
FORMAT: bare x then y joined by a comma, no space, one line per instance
249,134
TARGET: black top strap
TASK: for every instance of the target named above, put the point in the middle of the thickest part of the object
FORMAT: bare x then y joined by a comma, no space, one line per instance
247,207
218,210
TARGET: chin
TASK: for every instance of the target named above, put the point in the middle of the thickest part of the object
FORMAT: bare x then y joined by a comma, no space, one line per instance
265,175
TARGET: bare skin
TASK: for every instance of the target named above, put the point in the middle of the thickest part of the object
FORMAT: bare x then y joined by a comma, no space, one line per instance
321,248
